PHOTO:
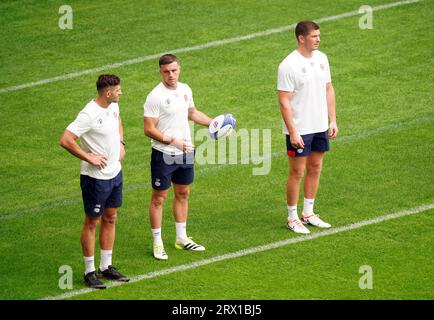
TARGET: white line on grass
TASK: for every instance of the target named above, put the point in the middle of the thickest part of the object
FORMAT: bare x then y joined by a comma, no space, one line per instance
202,171
249,251
195,48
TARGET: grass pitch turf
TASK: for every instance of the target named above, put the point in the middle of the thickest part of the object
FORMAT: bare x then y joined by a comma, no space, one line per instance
381,163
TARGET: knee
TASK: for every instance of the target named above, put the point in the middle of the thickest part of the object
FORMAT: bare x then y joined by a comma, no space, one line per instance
158,200
109,218
314,169
182,194
297,173
91,223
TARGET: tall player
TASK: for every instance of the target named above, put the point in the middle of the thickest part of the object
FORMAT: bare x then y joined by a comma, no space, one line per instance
308,108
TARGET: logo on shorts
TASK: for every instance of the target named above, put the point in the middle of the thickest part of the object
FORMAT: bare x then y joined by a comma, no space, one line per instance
299,150
157,182
97,208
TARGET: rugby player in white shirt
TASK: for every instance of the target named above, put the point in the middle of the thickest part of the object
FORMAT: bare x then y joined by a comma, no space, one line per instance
308,108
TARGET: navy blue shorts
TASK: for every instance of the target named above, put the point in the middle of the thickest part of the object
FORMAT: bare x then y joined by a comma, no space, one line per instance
312,142
101,194
166,169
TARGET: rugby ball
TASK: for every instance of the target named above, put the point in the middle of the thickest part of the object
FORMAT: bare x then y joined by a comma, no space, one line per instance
222,126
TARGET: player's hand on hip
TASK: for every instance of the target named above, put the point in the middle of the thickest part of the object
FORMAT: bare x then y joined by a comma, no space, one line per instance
97,160
333,130
296,140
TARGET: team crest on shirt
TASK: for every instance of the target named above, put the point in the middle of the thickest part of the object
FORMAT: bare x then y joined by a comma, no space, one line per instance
322,66
167,101
185,98
99,121
115,114
303,69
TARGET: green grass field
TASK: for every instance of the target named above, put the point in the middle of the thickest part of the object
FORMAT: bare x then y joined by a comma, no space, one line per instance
381,163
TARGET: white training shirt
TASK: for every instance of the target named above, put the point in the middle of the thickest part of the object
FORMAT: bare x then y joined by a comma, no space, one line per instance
170,106
98,129
307,78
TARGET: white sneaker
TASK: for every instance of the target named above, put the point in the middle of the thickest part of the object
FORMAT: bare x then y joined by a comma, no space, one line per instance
159,252
188,244
296,226
314,220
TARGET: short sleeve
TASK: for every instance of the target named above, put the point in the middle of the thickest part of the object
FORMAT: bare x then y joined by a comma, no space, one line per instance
81,124
190,98
328,76
151,107
285,78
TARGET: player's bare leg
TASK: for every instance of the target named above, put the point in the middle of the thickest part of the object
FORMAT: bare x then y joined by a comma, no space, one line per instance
88,235
311,183
107,239
156,207
313,174
180,212
107,231
297,166
156,216
180,202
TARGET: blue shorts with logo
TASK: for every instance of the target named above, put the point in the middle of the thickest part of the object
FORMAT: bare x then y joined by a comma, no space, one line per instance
312,142
100,194
166,168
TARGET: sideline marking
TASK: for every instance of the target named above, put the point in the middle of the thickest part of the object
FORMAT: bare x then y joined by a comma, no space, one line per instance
245,252
195,48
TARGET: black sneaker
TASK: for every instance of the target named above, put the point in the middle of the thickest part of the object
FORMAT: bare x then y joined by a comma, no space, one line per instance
92,281
113,274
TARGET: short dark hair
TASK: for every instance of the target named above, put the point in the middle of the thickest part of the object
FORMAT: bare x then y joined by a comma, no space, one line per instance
107,80
303,28
167,59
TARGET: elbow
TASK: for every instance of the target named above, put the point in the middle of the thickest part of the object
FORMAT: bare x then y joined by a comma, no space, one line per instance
62,142
146,132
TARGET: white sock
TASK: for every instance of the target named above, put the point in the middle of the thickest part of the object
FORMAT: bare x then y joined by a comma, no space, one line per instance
89,264
181,231
292,213
308,207
156,233
106,259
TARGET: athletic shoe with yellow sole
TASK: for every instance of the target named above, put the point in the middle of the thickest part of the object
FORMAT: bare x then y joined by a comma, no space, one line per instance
159,252
188,244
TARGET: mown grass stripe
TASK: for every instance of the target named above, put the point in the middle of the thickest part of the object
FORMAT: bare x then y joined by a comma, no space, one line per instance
195,48
249,251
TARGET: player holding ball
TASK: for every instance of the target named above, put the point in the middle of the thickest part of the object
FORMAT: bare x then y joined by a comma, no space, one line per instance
167,110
